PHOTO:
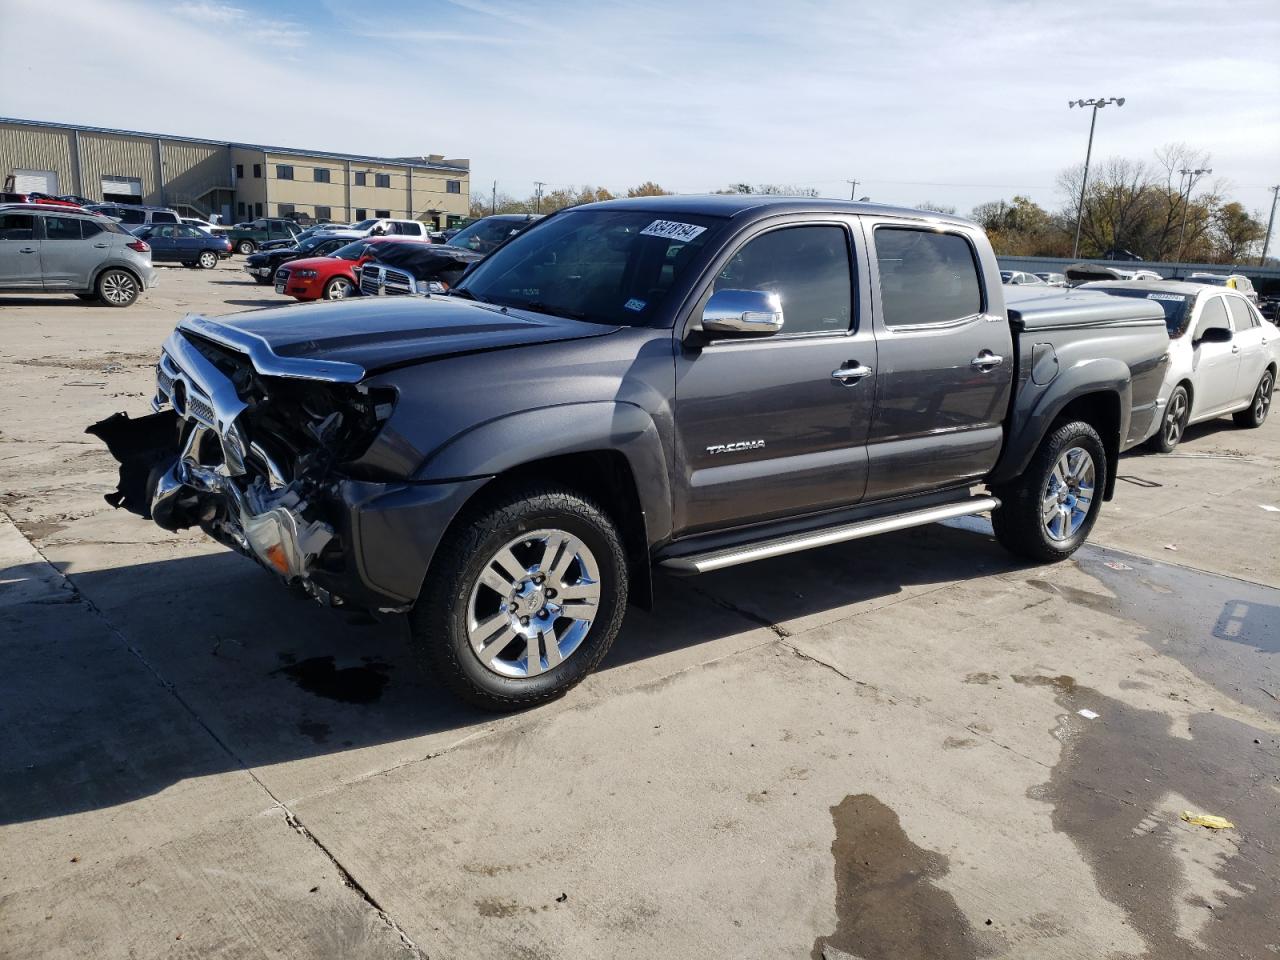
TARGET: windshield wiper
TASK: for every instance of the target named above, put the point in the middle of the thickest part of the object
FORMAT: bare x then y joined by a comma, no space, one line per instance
539,307
466,294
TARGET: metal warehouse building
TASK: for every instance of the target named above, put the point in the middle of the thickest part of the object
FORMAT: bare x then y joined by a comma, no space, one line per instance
237,181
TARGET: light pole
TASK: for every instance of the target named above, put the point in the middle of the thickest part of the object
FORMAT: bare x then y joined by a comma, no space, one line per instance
1266,241
1186,202
1096,103
853,188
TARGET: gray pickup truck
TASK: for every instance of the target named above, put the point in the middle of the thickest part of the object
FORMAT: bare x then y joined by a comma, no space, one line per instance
680,383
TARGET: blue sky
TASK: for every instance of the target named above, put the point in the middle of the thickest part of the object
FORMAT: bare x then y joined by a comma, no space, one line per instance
919,100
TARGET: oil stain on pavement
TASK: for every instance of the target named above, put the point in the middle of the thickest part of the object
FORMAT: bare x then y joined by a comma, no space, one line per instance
1115,792
887,905
354,684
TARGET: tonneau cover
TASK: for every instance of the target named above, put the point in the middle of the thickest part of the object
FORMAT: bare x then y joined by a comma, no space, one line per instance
1079,308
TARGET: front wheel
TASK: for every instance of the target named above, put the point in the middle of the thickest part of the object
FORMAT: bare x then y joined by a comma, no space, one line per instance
208,260
524,598
1256,413
339,288
1174,422
246,247
1047,512
262,281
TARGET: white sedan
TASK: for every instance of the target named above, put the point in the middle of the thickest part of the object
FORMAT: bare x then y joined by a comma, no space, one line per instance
1223,355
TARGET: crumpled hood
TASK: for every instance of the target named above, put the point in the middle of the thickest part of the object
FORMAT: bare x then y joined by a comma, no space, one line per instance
380,332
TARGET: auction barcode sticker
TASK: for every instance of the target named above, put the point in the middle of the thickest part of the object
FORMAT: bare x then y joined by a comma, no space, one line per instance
1176,297
672,230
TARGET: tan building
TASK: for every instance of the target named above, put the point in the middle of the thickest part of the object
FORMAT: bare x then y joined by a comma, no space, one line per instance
237,181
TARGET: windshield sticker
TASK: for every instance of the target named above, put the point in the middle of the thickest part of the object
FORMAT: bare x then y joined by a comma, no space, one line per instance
1175,297
634,304
672,230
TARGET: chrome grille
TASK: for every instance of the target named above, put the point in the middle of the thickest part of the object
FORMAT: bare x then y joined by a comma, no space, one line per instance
377,280
397,281
370,280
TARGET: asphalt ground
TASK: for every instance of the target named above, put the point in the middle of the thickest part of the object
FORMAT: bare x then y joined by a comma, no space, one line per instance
873,750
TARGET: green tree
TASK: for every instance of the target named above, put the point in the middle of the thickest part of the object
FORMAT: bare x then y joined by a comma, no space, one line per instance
648,189
1236,235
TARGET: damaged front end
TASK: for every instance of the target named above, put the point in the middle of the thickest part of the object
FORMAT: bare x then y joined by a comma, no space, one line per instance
248,446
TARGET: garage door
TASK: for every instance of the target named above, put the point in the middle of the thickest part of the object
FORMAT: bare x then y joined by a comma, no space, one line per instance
35,181
122,186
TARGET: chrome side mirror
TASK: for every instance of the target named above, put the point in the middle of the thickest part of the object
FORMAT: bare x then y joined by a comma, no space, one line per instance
742,313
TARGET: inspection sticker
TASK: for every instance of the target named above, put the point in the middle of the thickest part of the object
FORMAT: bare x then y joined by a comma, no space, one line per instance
1175,297
672,230
634,304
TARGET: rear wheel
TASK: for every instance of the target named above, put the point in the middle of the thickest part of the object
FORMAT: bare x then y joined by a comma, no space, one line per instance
117,288
1047,512
523,599
1174,422
339,288
1260,405
208,260
246,247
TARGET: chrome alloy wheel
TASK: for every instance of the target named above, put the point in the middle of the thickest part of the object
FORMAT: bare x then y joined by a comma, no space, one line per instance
119,287
533,603
339,290
1262,399
1174,419
1068,494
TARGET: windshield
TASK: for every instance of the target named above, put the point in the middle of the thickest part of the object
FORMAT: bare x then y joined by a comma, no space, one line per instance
604,266
485,235
363,225
309,243
1212,281
1176,307
352,251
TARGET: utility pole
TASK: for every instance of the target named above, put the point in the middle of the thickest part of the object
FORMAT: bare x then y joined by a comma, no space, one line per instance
538,184
1266,241
493,201
853,188
1186,202
1096,103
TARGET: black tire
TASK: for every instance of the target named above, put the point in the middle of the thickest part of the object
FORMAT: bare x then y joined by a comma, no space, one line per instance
246,247
1020,522
208,260
337,283
439,621
262,281
1173,423
1259,404
117,288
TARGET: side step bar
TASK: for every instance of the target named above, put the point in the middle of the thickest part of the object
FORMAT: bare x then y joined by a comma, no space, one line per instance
794,543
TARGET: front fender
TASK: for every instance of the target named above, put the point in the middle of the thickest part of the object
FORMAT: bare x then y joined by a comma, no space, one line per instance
1036,408
499,445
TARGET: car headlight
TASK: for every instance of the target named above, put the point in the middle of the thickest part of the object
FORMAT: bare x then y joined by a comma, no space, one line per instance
305,274
432,286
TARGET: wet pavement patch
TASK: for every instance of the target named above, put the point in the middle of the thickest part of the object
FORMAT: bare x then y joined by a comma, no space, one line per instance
1115,792
887,906
355,684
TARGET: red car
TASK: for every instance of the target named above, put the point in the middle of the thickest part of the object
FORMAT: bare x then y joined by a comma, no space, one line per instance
329,278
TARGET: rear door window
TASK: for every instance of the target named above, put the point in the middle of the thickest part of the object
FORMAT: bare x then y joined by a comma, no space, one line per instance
161,217
1240,314
926,277
61,228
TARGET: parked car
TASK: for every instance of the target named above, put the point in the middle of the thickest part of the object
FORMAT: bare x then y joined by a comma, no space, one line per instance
682,382
488,233
67,200
1223,355
47,249
1017,278
247,237
1087,271
1053,279
333,277
189,246
414,268
205,225
133,217
383,227
262,266
317,230
1232,281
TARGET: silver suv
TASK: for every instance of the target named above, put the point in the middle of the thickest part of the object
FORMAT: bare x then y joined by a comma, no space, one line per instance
46,249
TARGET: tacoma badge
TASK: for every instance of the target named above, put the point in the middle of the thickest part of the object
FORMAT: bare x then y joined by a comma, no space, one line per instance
735,447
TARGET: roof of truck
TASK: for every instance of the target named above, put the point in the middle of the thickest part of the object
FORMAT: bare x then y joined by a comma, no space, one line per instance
734,204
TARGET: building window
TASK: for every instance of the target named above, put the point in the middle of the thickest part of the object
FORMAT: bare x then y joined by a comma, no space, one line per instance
362,214
382,179
240,209
362,179
239,171
285,209
257,170
257,209
321,174
453,186
284,171
324,213
382,214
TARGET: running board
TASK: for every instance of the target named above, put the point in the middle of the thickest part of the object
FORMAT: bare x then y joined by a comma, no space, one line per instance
794,543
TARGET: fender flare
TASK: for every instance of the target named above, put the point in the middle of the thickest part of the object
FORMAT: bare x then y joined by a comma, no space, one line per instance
511,441
1038,407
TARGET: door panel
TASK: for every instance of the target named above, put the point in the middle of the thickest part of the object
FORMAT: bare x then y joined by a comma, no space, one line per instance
946,364
1249,339
763,428
19,251
1215,366
65,258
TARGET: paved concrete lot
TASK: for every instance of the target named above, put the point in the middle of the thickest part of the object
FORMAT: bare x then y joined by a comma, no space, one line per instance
874,750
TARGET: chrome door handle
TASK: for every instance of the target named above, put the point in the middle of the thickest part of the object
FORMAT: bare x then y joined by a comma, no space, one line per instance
102,246
1235,349
27,250
985,361
851,374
